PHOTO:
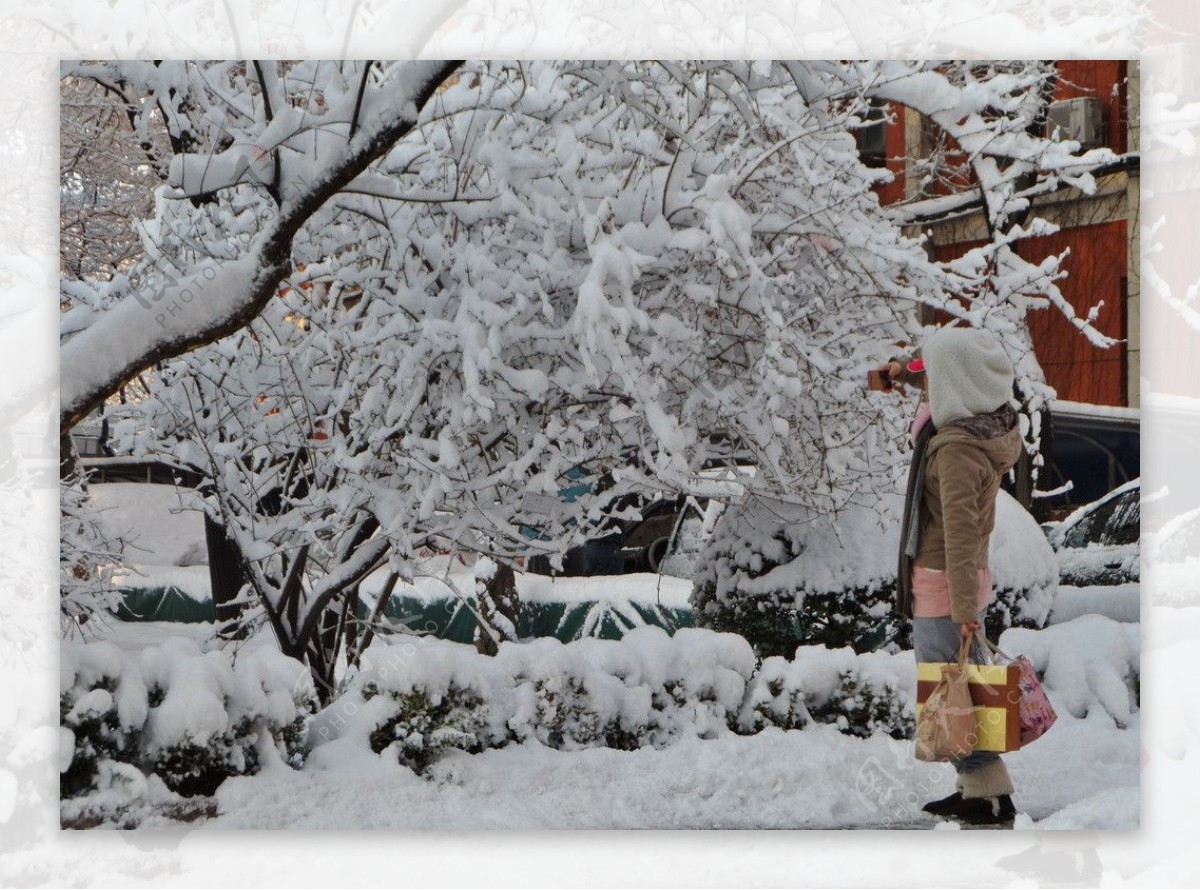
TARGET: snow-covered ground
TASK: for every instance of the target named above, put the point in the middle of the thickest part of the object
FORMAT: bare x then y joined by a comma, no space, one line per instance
1084,774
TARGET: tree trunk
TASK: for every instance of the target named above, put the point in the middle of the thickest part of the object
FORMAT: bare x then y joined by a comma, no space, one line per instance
226,579
499,609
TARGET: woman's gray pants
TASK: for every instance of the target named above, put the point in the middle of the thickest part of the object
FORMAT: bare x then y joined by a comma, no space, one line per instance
938,639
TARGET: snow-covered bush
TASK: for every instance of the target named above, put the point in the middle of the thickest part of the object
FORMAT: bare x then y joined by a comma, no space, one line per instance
746,546
211,717
780,576
860,694
418,699
102,706
1024,571
862,708
567,700
774,697
1088,663
191,718
423,724
422,697
692,681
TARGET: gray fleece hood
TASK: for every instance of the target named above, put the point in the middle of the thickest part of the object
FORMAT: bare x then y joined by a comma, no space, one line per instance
967,373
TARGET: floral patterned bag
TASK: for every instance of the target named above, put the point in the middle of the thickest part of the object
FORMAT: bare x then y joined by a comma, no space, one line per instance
1037,715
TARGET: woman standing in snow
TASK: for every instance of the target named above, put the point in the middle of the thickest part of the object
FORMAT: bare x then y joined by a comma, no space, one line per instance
965,438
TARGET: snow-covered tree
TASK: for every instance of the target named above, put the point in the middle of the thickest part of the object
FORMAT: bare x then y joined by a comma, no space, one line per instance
628,271
993,113
254,416
258,149
108,173
686,260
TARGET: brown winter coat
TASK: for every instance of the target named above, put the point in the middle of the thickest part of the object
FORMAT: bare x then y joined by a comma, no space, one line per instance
964,464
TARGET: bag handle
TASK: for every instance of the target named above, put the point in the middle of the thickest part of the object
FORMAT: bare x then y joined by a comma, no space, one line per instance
992,648
964,652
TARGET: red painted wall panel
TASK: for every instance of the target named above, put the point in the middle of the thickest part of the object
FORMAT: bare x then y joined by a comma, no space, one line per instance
1097,271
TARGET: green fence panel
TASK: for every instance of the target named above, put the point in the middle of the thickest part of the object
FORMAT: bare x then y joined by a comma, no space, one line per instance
445,617
164,604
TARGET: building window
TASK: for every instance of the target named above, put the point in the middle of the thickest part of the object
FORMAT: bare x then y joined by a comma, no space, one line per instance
872,137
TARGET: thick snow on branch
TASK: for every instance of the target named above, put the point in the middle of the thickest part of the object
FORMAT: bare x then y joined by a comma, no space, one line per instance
207,275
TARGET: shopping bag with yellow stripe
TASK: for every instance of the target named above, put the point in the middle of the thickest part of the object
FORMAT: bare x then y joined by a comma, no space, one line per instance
995,697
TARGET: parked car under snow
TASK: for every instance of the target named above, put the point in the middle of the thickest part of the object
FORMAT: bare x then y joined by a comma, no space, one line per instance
1098,543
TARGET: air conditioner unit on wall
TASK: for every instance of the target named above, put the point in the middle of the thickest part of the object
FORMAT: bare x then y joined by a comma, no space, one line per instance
1079,119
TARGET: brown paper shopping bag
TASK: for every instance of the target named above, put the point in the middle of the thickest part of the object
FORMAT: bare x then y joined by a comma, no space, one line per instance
946,722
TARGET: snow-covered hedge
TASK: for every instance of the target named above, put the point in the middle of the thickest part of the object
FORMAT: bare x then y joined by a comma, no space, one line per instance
861,694
192,718
415,700
418,698
782,578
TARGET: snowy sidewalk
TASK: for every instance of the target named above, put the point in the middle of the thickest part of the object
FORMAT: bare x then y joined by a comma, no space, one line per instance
1084,774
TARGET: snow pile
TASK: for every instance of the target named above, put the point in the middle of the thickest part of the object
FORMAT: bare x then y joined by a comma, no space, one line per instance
416,699
1024,568
860,694
187,717
1089,663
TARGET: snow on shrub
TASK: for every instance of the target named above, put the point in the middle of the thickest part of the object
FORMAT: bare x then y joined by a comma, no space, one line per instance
1086,663
861,694
780,577
417,699
102,704
191,718
564,700
425,696
696,678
